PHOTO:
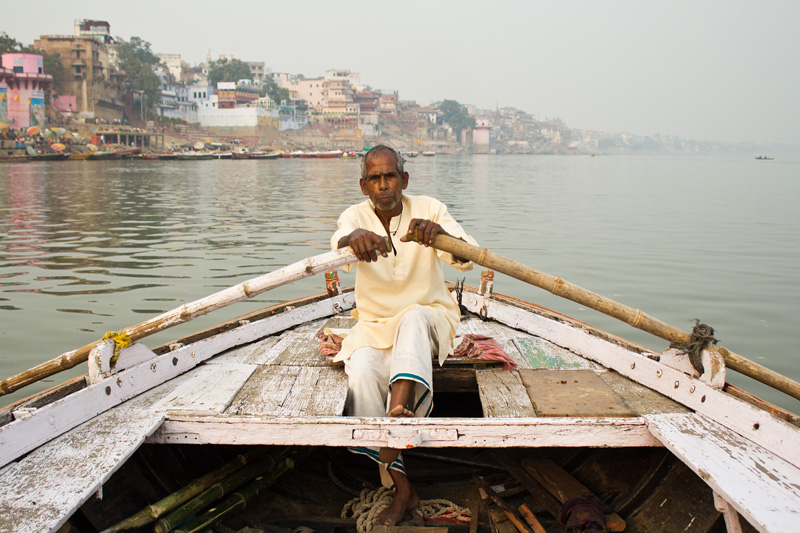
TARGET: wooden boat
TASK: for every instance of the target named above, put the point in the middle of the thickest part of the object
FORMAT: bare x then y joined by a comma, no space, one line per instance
151,157
667,449
127,153
50,156
240,155
80,157
429,154
169,156
266,155
764,158
105,154
195,156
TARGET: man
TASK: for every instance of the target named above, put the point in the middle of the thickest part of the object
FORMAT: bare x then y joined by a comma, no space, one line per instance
405,313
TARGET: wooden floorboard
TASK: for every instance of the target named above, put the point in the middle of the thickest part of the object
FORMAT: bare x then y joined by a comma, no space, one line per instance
292,391
503,395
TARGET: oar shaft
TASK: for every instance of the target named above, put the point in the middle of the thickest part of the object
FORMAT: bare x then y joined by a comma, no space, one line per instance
248,289
629,315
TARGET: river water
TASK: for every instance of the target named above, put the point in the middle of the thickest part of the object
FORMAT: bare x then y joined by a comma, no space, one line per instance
93,246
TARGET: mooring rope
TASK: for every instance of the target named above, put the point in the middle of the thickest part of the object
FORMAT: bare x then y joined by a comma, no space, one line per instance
370,503
121,340
702,336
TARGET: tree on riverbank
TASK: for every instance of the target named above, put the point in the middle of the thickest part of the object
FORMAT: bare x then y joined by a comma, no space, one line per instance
226,69
137,60
457,116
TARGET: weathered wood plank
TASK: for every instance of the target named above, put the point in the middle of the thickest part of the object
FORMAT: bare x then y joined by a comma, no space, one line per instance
642,400
563,486
503,394
759,426
429,432
251,354
541,354
210,391
292,391
572,393
761,486
41,491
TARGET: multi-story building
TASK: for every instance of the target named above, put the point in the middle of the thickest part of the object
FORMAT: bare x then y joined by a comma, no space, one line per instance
88,74
233,94
22,87
99,29
176,66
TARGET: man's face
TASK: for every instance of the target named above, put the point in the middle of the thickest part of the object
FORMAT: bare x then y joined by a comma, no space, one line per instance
383,184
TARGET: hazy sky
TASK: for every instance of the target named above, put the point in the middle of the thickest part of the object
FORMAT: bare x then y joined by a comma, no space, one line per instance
705,70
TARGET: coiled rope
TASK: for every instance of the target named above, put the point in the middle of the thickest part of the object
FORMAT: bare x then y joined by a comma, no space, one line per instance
369,504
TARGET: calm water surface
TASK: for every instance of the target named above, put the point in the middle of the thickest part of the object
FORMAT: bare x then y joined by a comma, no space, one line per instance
92,246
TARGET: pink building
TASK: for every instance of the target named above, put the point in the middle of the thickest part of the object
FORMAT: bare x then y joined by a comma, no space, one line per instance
25,85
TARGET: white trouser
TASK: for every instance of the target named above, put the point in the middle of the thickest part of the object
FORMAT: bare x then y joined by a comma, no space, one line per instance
371,372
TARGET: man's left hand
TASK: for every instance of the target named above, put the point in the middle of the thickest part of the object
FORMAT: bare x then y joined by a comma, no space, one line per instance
426,231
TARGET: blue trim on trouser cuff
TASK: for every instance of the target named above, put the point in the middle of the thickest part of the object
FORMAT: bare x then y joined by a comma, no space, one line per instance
413,377
397,464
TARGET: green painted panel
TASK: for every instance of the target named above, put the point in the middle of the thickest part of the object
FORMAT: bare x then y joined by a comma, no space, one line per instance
542,354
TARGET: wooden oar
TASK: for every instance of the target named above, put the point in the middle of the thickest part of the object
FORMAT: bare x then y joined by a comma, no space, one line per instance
634,317
186,312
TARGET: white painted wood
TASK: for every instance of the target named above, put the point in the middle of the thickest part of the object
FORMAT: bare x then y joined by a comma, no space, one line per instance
24,435
249,354
759,426
210,391
762,487
41,491
732,523
100,359
613,432
713,365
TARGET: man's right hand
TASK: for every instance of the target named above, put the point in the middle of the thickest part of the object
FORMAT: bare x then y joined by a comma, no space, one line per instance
366,245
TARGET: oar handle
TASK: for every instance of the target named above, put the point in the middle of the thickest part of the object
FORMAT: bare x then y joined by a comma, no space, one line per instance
634,317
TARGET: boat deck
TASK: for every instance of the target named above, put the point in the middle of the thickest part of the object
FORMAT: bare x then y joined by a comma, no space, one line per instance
266,383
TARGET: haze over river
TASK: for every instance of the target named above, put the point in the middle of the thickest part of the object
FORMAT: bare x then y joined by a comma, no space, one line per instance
88,247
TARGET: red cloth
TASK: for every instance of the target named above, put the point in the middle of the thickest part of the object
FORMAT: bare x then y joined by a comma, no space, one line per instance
329,345
484,348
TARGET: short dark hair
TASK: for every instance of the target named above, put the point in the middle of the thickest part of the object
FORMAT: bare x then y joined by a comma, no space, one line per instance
376,150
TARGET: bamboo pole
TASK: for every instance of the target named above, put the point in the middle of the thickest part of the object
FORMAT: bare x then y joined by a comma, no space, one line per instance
240,498
186,312
634,317
221,489
152,512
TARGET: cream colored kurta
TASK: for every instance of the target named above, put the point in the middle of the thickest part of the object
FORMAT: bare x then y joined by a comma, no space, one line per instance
413,278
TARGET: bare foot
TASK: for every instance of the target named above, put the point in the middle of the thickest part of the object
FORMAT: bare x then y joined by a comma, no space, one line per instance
387,455
405,499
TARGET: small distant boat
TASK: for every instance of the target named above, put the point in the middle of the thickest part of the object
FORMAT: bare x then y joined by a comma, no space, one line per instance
169,156
127,153
411,154
429,154
349,155
108,154
764,158
51,156
80,157
223,155
195,156
266,155
330,154
151,157
240,155
292,155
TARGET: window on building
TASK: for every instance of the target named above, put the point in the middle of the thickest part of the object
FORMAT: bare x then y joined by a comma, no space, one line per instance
18,70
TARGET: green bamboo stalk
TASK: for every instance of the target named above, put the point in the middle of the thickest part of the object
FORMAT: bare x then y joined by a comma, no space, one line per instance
152,512
239,499
219,490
